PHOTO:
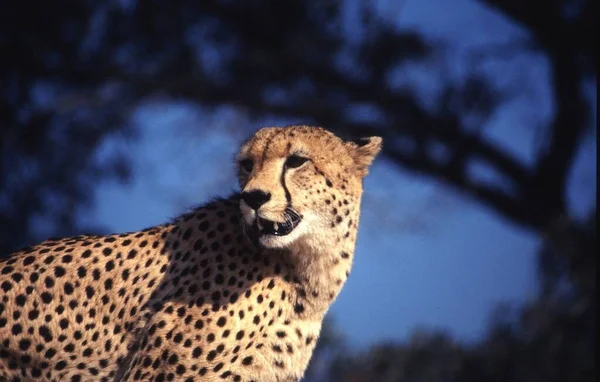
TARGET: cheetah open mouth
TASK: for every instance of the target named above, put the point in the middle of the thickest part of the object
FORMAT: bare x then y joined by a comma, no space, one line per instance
268,227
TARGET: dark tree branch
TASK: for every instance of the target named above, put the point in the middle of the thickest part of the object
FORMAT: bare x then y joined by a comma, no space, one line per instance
564,43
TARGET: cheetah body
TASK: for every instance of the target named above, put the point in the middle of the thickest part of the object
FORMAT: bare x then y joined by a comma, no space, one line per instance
223,293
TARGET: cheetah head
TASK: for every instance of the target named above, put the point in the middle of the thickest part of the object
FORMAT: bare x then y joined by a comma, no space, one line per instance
300,182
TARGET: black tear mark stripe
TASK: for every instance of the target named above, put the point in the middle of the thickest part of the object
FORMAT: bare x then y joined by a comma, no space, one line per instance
288,196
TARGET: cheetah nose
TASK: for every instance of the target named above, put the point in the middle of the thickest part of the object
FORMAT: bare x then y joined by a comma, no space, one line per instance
255,198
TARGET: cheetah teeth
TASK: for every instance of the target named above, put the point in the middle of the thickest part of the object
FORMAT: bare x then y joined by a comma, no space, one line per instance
267,227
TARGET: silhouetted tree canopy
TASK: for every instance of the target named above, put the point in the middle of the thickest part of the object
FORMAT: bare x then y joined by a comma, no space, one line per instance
87,64
72,71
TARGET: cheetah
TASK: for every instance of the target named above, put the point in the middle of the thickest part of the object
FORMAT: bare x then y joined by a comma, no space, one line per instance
235,290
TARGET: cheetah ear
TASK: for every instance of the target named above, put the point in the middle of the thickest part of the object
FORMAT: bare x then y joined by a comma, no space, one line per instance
364,151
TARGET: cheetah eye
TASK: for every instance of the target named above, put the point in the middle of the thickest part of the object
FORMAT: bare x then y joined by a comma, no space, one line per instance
247,165
295,161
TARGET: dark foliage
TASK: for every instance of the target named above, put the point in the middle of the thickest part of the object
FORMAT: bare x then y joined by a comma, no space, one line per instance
85,64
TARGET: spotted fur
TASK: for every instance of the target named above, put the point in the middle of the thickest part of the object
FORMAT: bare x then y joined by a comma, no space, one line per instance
206,297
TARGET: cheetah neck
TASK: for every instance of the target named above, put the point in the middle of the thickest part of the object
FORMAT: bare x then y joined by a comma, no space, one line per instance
319,271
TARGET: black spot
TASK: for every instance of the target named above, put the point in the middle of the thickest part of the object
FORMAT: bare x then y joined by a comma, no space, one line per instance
28,260
178,338
33,314
24,344
49,282
6,286
20,300
247,361
81,272
204,226
173,359
45,333
132,254
46,297
59,271
197,352
34,277
50,353
68,288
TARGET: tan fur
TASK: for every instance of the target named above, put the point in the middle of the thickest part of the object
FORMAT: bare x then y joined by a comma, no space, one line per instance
195,300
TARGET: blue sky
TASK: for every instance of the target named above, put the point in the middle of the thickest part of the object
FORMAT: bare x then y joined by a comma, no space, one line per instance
426,256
